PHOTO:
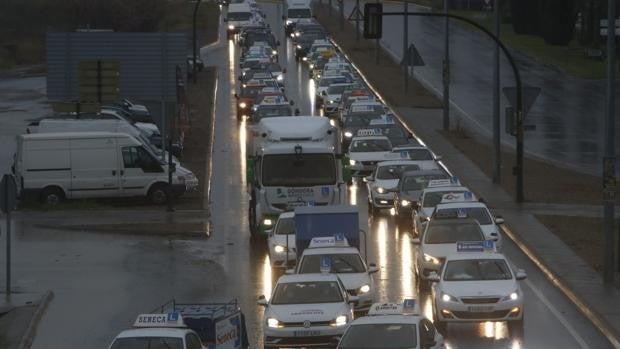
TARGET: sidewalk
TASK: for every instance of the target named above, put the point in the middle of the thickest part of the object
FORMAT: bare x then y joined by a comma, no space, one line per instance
561,265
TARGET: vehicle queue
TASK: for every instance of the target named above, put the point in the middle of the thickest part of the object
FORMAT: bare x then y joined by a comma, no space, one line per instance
303,164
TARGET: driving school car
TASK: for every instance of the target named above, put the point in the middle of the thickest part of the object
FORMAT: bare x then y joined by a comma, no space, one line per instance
478,284
306,310
367,149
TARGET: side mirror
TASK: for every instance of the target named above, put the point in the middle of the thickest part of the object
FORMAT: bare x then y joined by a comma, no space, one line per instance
240,78
268,231
433,277
278,43
284,71
354,300
438,157
262,301
289,271
372,268
368,179
236,96
415,241
283,18
324,93
499,220
520,275
291,102
225,19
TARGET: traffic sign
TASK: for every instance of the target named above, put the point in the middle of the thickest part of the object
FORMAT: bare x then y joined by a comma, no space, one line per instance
373,20
530,94
8,193
412,58
356,15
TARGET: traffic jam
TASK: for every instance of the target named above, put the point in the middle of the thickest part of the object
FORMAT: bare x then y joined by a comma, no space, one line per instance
300,173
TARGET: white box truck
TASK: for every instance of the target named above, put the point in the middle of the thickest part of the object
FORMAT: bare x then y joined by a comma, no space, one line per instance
57,166
296,10
292,161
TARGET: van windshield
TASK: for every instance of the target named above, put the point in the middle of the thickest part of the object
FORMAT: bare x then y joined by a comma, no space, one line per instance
148,343
298,170
239,16
299,13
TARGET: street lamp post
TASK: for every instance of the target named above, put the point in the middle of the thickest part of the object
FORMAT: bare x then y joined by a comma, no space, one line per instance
194,40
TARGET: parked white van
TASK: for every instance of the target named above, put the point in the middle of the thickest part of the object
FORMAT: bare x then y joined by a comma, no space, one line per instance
57,166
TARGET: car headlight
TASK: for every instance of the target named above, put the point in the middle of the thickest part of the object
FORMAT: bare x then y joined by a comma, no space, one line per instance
380,190
512,297
448,298
311,66
274,52
288,22
348,134
431,259
405,203
231,27
331,101
242,105
304,59
299,46
280,77
267,222
273,323
364,289
339,321
352,162
318,76
298,34
279,249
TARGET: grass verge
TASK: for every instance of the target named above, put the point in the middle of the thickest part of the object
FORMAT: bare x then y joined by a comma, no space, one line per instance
583,235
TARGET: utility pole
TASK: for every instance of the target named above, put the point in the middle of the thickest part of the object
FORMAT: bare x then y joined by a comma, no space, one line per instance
609,168
497,153
357,21
446,70
194,40
341,5
406,43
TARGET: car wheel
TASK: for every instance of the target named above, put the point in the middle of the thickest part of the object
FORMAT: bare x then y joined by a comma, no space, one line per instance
515,328
52,196
158,194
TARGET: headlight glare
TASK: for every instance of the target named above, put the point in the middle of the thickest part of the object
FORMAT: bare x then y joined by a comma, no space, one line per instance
242,105
339,321
447,298
365,289
267,222
431,259
352,162
279,249
380,190
231,27
348,134
405,203
273,323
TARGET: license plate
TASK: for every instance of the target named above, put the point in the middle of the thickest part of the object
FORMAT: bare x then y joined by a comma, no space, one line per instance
306,333
480,309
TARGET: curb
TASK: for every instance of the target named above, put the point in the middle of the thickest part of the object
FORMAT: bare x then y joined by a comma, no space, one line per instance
595,318
31,330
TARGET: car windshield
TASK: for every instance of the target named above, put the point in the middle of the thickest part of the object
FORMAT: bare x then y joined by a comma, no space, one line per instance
480,214
307,293
299,13
358,120
340,263
446,233
416,154
476,270
251,91
148,343
336,90
239,16
298,170
411,183
370,145
264,112
380,336
394,171
431,199
285,226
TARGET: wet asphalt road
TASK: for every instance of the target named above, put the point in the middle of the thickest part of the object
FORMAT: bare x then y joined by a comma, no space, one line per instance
552,322
568,114
102,281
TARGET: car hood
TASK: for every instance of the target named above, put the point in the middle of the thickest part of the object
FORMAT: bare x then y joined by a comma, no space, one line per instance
354,281
303,312
500,288
386,183
440,250
411,195
371,156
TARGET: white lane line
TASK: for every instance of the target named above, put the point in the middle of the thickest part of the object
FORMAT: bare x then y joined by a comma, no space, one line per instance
558,315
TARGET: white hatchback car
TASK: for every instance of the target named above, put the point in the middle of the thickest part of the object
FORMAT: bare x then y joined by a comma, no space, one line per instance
306,310
281,241
478,287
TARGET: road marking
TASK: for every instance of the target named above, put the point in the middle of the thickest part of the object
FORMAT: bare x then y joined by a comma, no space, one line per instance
558,315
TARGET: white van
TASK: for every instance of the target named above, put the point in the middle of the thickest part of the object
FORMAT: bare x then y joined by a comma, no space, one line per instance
296,10
239,16
57,166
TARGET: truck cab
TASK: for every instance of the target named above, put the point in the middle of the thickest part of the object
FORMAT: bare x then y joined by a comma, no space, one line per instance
292,161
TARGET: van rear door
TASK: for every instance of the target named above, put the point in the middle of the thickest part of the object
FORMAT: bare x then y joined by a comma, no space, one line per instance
94,168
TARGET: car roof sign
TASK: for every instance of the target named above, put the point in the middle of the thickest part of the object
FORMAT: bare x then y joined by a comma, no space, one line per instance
410,306
443,183
385,309
465,196
326,264
159,320
461,213
337,240
369,132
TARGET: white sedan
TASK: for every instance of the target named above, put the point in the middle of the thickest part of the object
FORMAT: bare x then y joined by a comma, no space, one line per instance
366,151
